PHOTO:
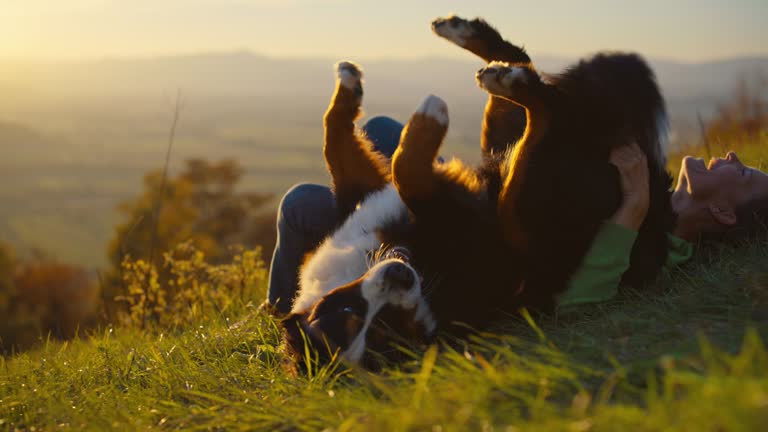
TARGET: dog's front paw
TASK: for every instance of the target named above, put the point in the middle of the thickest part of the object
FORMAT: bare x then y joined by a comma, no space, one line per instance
455,29
435,108
500,78
350,75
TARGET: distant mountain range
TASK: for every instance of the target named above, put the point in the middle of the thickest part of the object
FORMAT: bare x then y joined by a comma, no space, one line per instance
294,90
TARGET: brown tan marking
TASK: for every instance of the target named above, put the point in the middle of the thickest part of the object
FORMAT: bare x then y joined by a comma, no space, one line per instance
413,162
503,122
356,169
523,92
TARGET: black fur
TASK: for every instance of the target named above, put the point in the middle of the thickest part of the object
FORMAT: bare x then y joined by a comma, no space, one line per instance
601,103
607,98
507,51
471,274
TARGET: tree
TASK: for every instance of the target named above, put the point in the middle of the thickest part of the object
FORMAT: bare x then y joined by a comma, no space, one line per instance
7,265
64,295
201,205
40,297
7,268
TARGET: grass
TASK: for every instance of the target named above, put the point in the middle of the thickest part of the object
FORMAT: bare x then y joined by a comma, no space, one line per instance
685,354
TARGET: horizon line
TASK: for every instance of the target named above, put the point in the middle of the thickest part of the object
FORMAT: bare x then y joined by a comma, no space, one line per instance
256,54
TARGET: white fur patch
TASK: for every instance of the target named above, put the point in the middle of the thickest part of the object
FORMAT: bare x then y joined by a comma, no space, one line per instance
514,76
377,294
497,65
436,108
342,257
457,34
424,315
375,288
498,78
508,75
349,74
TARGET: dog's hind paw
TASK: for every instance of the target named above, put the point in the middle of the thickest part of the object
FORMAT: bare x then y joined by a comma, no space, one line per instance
349,74
435,108
499,78
455,29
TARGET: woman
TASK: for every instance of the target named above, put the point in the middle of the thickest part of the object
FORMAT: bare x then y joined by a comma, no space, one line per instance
709,198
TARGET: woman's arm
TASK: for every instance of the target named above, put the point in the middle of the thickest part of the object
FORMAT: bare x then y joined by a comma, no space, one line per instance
633,168
608,258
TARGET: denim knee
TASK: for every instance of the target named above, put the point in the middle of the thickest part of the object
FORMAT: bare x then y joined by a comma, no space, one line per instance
384,132
307,208
307,214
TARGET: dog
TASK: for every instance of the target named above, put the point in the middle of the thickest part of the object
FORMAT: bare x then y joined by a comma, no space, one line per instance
417,237
426,246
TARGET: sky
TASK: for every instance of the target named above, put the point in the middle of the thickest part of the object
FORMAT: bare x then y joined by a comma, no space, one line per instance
683,30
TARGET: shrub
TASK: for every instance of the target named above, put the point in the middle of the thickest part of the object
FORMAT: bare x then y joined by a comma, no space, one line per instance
43,297
200,204
195,292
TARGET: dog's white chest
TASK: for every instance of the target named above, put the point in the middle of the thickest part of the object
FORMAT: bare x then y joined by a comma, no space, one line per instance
343,257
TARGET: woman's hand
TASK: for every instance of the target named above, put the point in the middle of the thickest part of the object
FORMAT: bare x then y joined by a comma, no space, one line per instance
633,167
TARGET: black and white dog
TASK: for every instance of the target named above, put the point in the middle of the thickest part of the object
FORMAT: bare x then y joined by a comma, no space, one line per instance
426,245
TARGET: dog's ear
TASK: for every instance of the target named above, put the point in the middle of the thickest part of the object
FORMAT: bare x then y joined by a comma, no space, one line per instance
294,340
293,332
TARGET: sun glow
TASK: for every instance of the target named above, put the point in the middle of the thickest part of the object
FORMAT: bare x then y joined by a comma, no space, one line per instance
684,30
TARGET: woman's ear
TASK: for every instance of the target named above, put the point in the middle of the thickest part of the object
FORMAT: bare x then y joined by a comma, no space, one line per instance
723,213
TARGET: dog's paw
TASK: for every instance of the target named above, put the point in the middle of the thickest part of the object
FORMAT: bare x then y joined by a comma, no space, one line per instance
435,108
500,78
455,29
349,74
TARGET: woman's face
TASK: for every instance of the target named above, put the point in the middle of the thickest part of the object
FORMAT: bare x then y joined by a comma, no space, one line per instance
725,181
708,194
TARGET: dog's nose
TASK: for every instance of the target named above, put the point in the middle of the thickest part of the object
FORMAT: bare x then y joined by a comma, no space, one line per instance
399,276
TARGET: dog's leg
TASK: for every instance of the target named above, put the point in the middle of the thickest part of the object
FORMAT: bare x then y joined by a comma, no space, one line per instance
519,84
503,122
479,38
356,169
503,126
413,162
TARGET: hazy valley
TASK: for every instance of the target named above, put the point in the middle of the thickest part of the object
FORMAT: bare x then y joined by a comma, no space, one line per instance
76,138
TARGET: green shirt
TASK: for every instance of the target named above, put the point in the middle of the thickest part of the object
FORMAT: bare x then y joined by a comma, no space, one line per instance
607,259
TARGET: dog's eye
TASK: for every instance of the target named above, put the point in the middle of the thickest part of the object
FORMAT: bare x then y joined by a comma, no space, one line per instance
330,312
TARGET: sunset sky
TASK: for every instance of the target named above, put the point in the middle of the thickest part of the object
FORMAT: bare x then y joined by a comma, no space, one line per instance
688,30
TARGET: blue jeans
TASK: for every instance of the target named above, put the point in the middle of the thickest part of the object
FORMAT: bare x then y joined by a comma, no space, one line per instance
307,214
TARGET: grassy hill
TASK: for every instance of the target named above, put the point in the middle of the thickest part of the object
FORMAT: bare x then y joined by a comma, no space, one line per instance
686,354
